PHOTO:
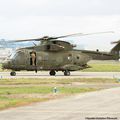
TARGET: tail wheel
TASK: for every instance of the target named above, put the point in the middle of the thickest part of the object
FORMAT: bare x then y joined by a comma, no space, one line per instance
13,73
67,73
52,72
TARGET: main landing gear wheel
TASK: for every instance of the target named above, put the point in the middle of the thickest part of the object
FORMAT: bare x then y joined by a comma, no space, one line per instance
67,73
52,72
13,73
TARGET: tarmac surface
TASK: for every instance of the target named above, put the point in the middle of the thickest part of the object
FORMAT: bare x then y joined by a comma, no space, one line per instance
99,105
75,74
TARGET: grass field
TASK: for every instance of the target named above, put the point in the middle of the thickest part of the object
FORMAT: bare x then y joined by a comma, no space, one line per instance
54,81
19,92
103,66
17,96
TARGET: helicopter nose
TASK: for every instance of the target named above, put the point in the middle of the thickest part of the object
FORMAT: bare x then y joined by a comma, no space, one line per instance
6,64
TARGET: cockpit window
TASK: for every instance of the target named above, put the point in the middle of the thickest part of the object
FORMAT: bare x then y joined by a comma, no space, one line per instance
15,54
12,55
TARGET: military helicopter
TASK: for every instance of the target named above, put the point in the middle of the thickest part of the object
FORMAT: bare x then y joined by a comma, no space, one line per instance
55,55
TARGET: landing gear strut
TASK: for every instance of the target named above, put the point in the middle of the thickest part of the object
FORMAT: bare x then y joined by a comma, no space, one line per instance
52,72
13,73
35,70
67,73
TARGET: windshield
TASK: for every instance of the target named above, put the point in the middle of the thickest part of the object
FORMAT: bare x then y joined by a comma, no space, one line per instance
17,55
13,55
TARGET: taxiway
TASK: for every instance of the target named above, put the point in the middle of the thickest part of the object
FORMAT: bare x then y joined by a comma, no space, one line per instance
76,74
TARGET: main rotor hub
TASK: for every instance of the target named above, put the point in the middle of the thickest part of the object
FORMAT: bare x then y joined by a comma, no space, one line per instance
45,37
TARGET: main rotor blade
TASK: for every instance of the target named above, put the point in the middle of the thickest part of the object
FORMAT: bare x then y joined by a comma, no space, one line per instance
46,38
70,35
97,33
81,34
51,38
114,42
25,40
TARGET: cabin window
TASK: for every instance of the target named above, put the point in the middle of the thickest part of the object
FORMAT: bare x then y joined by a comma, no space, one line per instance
48,47
75,63
70,54
54,42
69,57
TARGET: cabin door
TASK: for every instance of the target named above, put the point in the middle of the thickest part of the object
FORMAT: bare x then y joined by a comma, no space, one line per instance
32,58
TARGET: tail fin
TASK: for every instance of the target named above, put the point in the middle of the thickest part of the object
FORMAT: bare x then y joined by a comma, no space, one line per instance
116,50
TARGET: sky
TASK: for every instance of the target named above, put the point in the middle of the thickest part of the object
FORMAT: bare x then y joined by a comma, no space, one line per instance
22,19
